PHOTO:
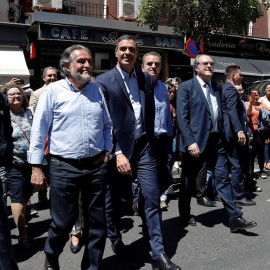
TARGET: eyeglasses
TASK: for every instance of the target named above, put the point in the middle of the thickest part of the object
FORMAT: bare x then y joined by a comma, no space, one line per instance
205,64
18,95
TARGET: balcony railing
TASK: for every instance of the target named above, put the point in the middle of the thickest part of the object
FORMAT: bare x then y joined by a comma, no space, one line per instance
84,9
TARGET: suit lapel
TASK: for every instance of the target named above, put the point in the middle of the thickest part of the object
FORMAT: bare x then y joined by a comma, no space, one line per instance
141,84
121,83
200,93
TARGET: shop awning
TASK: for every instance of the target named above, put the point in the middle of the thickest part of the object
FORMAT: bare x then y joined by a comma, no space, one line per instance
262,65
12,65
247,67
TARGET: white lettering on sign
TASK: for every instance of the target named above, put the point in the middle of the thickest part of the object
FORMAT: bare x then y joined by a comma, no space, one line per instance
166,42
55,32
69,33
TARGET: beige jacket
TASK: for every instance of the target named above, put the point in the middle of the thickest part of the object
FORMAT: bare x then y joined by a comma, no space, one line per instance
35,96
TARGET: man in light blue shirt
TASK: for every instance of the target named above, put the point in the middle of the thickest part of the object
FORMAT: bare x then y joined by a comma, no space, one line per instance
163,130
73,113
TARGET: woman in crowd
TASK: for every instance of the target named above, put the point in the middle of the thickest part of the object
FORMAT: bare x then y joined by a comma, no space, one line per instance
19,184
266,100
254,109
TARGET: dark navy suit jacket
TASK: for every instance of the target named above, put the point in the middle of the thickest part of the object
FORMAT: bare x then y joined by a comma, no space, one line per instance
121,110
233,112
193,113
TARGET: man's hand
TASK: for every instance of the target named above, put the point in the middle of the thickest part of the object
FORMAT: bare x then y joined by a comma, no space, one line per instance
241,138
38,178
123,165
194,150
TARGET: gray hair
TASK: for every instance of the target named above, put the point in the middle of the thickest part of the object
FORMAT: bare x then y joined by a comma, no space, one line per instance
197,62
67,57
152,53
46,69
126,37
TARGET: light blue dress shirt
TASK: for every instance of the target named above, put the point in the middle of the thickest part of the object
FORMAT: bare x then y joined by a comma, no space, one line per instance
163,122
78,122
132,87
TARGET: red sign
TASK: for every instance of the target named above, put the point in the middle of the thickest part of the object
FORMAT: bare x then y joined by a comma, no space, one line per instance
32,50
191,48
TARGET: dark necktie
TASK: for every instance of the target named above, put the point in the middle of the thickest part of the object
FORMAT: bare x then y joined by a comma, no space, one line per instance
208,87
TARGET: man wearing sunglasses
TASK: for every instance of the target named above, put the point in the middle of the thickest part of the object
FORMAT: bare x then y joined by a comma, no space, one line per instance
200,121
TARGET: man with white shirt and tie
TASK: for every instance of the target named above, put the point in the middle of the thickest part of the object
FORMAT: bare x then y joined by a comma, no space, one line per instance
200,122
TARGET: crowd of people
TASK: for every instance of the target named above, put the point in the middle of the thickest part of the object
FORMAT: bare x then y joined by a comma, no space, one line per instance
90,142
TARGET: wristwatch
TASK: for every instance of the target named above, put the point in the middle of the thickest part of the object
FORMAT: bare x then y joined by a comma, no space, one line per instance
108,155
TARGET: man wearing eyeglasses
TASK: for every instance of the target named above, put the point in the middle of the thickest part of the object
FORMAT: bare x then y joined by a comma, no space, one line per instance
200,121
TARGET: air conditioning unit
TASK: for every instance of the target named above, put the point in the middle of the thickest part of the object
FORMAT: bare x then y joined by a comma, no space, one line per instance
128,8
48,3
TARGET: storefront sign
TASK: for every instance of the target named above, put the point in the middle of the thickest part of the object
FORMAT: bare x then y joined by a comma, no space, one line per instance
238,45
107,37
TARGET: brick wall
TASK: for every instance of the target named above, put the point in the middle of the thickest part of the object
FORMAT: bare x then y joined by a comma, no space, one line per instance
260,28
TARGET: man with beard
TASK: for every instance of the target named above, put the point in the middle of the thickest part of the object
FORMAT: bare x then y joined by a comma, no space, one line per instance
74,114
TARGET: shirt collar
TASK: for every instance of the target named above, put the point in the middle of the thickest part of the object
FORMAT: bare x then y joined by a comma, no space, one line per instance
73,88
125,74
201,82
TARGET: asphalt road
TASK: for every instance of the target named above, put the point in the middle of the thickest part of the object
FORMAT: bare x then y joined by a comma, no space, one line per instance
208,246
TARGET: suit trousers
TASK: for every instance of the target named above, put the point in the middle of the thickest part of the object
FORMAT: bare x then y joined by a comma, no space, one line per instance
195,169
144,168
68,179
238,157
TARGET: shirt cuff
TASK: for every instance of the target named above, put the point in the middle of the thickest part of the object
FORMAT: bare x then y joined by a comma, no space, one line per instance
35,158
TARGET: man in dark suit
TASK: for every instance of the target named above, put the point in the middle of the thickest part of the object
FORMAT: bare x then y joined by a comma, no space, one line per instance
130,100
200,121
236,129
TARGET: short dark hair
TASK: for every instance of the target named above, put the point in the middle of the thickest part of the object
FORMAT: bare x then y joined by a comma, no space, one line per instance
152,53
9,86
66,57
230,70
126,37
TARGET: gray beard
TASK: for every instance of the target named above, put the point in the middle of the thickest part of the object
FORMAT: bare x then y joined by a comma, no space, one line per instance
78,76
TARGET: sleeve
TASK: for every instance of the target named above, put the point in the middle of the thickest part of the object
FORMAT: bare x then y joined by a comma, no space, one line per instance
231,96
100,81
40,128
33,100
107,129
183,115
169,118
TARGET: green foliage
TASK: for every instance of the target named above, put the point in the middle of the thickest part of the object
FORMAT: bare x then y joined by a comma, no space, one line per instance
201,18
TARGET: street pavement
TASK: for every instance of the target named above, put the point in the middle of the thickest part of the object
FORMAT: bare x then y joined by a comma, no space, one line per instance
208,246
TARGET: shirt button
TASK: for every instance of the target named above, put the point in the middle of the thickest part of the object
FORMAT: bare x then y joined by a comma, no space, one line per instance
133,122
